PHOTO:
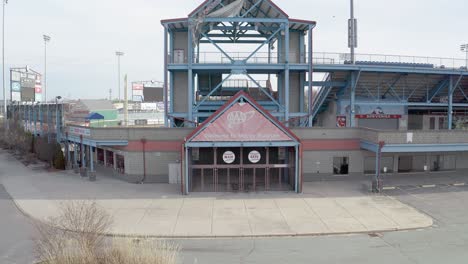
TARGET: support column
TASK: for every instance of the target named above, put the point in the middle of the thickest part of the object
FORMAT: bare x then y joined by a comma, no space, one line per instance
450,104
352,111
83,160
297,170
165,78
92,172
310,99
67,148
190,77
75,158
49,117
41,121
105,157
34,113
286,75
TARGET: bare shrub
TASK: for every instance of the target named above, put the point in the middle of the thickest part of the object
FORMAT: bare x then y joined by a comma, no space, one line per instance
76,236
78,232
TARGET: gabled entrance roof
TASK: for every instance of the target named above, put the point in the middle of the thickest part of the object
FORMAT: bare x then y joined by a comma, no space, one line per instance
241,121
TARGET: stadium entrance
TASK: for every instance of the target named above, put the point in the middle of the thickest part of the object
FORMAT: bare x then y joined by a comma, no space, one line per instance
241,148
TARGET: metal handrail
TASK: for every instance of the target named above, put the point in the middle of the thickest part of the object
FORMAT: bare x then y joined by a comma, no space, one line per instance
332,58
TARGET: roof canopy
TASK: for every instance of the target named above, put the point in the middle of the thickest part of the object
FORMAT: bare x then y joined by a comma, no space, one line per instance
95,116
261,9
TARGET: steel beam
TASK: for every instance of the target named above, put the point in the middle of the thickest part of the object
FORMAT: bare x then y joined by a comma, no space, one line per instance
214,44
212,92
265,42
437,89
265,92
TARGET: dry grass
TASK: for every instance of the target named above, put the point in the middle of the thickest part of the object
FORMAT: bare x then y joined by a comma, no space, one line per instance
141,252
76,237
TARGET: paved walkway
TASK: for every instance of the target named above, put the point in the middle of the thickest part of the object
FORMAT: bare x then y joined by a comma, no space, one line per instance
159,210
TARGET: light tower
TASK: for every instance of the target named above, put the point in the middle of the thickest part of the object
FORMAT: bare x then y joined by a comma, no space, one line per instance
464,48
119,54
46,40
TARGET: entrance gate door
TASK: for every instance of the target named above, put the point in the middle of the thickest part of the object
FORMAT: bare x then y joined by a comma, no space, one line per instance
273,171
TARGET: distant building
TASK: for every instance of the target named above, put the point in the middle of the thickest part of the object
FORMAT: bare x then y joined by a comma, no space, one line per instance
80,111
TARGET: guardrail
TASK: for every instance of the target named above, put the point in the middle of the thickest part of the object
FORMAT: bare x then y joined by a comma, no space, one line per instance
415,137
325,58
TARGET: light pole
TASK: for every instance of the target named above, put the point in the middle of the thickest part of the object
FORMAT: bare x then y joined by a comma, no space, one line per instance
464,48
352,33
119,54
46,40
3,64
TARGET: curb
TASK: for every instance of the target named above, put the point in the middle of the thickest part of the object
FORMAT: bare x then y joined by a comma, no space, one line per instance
117,235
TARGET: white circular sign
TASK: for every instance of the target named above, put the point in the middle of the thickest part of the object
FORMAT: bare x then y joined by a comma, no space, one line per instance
255,156
229,157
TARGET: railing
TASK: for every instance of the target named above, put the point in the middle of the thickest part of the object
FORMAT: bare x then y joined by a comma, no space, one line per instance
325,58
242,83
415,137
410,61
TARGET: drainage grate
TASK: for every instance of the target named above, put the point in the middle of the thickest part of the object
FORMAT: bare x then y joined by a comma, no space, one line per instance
375,235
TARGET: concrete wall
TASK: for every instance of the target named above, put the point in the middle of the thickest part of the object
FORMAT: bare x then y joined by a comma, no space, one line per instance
181,43
157,165
133,134
294,92
180,92
294,47
332,133
327,119
320,163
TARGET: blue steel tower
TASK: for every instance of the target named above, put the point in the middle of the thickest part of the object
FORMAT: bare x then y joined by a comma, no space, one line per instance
227,46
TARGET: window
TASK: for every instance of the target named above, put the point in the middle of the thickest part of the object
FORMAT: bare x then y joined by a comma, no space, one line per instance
432,123
341,165
442,124
443,162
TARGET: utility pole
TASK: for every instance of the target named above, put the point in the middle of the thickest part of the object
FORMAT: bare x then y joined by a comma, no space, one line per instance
352,33
119,54
5,109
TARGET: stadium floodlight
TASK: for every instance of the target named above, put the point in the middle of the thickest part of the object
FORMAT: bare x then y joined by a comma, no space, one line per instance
47,39
464,48
119,54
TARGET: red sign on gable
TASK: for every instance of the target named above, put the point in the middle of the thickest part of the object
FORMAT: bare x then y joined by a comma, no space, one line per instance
241,123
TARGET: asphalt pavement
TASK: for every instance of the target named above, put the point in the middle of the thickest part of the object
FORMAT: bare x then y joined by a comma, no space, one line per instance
16,233
445,242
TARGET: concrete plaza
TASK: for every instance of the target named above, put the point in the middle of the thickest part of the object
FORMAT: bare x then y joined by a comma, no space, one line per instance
160,211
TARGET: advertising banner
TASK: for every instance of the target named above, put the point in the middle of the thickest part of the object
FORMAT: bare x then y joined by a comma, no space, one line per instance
241,123
79,131
372,111
16,86
138,87
341,121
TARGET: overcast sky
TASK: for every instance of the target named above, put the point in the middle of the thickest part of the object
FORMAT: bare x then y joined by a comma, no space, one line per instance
86,33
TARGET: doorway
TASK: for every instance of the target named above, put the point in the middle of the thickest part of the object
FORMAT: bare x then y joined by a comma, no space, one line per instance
242,169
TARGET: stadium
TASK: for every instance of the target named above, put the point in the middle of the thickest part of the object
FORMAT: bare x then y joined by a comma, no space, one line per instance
249,106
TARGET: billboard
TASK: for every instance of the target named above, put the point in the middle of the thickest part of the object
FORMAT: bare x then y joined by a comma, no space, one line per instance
25,85
147,91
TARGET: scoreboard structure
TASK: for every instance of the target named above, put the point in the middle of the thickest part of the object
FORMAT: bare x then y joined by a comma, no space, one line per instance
147,91
25,85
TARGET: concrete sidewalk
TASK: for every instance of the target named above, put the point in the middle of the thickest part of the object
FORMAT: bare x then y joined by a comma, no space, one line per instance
160,211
